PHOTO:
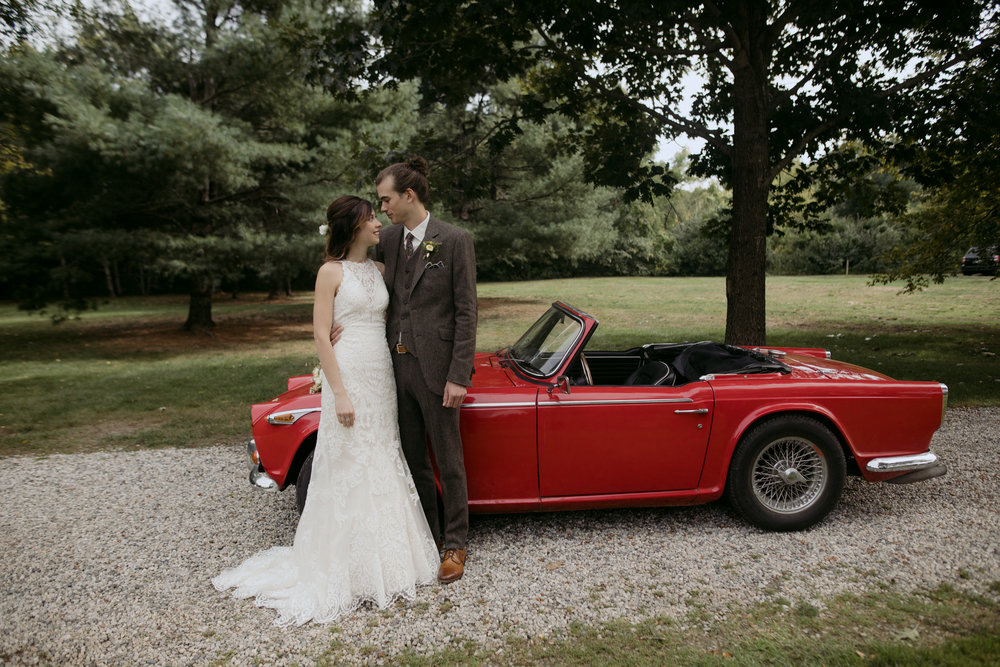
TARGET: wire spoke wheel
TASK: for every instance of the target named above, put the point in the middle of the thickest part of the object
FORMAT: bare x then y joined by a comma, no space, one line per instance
788,475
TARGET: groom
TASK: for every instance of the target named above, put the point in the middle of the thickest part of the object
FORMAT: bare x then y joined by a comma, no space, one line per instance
430,272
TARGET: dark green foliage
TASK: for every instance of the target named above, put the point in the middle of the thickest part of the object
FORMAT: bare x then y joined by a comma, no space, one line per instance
780,81
850,245
696,215
193,150
15,19
956,157
529,206
138,157
697,252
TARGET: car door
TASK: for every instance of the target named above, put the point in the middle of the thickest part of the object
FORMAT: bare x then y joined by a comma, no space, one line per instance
499,445
612,440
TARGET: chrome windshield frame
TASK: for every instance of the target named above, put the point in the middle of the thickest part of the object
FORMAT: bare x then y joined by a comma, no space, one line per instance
570,349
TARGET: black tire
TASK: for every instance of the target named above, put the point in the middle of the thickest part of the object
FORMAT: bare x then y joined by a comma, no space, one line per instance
786,474
302,482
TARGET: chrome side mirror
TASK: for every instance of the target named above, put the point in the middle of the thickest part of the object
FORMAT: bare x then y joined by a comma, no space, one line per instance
562,382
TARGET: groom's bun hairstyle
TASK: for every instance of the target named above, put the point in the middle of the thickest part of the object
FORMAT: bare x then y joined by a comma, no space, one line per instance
344,218
411,175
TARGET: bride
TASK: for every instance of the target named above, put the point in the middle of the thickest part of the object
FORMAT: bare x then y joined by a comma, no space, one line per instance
362,536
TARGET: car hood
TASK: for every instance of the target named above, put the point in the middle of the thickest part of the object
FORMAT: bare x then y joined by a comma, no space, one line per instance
489,372
296,398
807,367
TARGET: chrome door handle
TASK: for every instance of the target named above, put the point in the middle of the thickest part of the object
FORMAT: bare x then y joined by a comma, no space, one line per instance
699,411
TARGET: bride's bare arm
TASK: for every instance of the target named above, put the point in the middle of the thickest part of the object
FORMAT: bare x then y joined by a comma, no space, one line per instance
328,280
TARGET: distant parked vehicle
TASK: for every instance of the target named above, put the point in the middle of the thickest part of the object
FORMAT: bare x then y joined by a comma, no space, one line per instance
978,261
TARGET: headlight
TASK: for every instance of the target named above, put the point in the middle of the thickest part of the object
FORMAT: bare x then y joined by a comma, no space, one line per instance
286,417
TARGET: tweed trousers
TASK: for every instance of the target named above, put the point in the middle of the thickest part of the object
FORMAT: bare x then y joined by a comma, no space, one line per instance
420,412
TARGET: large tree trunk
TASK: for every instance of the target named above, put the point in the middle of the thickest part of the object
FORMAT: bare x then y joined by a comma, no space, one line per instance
144,281
200,307
109,280
745,277
118,278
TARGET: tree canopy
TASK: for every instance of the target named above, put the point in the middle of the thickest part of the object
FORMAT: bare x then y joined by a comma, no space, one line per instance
780,81
200,154
188,142
955,156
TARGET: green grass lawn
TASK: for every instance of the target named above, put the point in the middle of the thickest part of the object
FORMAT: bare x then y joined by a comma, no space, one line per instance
936,627
949,333
126,376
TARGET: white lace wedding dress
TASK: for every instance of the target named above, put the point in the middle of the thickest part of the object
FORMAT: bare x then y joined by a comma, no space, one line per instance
362,536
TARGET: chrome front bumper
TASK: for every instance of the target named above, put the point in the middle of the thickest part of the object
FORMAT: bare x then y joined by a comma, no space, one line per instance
917,467
258,477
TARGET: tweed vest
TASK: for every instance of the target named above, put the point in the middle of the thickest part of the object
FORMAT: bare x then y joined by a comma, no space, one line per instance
403,280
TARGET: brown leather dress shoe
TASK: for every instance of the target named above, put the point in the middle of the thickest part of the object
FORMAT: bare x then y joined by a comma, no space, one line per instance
452,566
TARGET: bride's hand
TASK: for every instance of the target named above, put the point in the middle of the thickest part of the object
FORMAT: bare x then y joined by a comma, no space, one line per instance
345,409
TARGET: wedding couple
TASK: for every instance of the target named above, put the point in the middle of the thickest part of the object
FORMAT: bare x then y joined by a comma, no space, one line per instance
369,532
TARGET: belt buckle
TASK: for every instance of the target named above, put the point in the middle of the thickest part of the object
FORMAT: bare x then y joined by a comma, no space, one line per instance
401,349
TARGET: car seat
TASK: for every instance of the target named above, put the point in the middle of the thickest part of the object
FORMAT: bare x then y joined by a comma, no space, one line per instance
652,373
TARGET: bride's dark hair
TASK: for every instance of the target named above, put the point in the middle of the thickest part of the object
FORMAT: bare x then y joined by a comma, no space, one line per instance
344,218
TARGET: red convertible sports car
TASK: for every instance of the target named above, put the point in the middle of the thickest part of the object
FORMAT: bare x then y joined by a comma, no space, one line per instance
550,426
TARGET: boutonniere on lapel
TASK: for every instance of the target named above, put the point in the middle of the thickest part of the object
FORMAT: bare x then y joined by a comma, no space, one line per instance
431,247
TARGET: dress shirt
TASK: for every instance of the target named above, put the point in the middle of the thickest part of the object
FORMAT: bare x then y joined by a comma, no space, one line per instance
418,232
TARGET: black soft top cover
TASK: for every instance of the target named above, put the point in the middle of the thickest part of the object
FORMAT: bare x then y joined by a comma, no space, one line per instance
707,358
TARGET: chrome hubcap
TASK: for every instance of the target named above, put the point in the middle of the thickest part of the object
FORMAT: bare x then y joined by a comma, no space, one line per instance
792,476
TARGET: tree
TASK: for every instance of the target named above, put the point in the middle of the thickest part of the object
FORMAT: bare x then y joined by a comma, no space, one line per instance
529,208
15,26
955,155
15,19
780,80
191,141
693,215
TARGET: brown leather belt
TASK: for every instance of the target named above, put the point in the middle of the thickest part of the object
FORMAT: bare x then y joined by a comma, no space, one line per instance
401,349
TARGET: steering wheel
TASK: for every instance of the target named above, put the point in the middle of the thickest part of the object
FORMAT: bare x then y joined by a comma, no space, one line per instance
586,370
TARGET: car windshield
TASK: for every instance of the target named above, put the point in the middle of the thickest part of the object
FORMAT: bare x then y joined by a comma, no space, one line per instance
543,348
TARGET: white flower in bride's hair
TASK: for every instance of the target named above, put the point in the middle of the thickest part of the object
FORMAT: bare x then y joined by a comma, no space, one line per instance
323,229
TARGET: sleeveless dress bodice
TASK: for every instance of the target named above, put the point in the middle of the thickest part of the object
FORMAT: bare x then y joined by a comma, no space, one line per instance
362,298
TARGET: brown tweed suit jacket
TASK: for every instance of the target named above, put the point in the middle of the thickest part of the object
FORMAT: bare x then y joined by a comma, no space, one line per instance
442,299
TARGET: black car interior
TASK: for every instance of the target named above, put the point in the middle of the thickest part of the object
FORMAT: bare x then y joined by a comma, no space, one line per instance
669,364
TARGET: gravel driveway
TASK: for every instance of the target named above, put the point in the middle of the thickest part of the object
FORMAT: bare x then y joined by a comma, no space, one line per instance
108,556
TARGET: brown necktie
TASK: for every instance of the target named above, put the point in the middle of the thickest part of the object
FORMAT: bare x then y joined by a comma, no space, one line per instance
408,246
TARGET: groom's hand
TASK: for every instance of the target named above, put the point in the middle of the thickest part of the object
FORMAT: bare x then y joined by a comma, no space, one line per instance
454,394
335,333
